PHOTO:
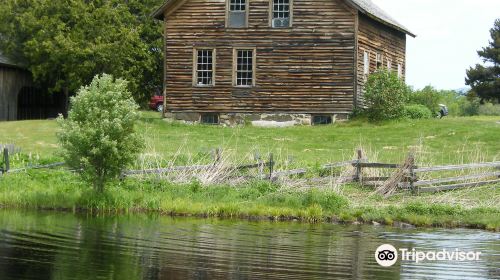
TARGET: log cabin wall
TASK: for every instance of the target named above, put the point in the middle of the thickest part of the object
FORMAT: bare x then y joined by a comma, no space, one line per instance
376,38
308,68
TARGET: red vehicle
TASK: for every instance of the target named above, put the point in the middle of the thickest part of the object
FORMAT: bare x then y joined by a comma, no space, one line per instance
156,102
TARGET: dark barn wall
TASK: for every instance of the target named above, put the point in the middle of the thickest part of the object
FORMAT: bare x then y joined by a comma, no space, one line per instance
21,100
12,80
308,68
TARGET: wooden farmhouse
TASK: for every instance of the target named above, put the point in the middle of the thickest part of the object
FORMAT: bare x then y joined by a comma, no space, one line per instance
227,61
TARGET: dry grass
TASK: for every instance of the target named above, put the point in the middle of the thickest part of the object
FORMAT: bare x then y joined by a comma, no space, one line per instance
224,171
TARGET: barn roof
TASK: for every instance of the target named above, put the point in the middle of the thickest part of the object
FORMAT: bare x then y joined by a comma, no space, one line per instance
366,7
5,61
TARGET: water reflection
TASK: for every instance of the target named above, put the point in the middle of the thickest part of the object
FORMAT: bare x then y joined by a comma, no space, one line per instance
50,245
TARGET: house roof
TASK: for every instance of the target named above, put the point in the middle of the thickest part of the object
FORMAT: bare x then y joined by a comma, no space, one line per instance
369,8
5,61
366,7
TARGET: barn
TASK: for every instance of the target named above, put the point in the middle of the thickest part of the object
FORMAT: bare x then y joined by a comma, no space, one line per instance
20,99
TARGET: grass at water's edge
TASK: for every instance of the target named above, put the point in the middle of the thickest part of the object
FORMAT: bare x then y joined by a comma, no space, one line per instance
60,190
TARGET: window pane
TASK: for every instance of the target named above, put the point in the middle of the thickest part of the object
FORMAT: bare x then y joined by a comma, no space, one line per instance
204,70
244,68
281,9
210,118
366,61
237,5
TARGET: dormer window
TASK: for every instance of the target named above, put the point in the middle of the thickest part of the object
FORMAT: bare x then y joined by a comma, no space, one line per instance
281,13
237,13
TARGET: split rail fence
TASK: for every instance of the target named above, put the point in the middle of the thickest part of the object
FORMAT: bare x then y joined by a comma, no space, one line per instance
410,179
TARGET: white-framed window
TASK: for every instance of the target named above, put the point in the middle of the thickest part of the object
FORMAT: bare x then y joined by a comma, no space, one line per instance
237,13
244,67
281,13
366,63
204,67
400,71
379,60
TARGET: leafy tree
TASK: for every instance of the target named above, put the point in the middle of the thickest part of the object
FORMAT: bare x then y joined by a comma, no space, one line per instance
428,96
485,80
385,95
65,43
98,137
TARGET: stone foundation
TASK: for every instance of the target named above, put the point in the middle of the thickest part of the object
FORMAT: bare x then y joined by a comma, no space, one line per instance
262,120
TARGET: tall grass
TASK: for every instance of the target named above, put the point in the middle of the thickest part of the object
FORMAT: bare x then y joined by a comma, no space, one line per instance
58,189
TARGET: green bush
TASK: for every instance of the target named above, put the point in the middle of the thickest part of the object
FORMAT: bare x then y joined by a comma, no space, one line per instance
417,111
385,96
489,109
469,106
428,97
99,137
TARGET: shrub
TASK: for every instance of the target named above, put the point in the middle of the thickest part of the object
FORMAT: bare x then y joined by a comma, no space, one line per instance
428,97
385,95
469,106
99,138
417,111
489,109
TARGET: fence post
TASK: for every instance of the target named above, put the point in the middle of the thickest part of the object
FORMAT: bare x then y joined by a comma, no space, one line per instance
6,159
271,166
358,175
217,155
411,160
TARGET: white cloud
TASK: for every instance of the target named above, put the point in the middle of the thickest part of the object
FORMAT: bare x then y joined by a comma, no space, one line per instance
449,32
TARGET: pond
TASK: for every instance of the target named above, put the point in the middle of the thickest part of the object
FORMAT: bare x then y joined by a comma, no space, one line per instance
54,245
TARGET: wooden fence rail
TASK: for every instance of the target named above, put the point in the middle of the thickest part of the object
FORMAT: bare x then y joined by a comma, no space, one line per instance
408,178
456,179
458,167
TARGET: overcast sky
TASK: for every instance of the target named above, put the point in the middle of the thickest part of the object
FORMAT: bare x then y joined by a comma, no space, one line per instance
449,32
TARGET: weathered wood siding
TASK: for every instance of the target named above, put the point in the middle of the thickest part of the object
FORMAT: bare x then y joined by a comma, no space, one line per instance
375,37
308,68
12,80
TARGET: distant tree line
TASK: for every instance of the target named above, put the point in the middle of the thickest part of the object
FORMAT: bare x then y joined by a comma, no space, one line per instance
389,98
65,43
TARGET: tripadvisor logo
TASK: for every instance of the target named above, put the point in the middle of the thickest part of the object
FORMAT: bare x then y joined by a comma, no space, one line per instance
387,255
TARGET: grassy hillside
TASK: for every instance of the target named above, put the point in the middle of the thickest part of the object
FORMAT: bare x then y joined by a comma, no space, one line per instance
444,141
447,141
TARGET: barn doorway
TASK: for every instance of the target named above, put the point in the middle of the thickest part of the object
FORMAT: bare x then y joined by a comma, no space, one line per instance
34,104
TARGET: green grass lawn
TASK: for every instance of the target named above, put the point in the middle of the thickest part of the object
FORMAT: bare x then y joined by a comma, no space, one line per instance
447,141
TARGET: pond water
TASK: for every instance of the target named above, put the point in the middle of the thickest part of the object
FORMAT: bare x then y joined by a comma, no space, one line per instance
52,245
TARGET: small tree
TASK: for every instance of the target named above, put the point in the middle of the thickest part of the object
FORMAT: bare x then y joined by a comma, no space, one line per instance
99,138
485,80
385,95
428,96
